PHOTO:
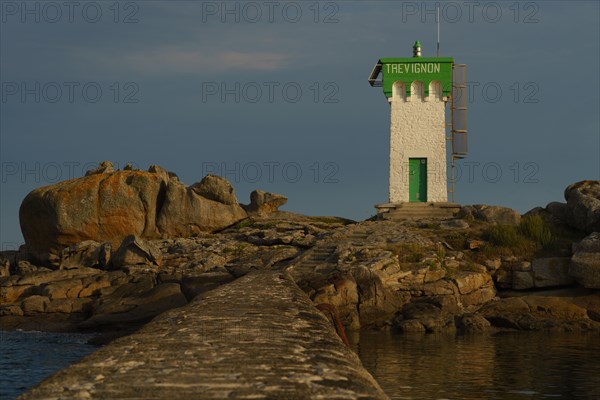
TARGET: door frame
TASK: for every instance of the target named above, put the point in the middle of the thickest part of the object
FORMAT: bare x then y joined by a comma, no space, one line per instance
421,181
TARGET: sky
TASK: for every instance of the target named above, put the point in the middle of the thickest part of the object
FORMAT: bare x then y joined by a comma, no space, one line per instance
274,96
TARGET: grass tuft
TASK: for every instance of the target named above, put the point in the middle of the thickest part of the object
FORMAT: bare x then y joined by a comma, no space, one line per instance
504,235
535,228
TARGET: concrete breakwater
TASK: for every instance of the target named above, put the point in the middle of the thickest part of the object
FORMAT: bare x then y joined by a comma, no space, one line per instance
257,337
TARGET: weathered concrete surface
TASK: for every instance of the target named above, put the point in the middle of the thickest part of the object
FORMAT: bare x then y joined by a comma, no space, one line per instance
258,337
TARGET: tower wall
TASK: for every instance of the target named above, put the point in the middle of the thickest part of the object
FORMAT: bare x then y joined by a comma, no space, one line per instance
417,130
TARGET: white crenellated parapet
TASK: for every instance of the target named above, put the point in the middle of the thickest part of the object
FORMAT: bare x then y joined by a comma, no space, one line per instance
417,130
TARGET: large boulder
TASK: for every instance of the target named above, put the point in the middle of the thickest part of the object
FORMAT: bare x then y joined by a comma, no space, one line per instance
560,211
135,251
540,273
186,213
538,313
88,253
265,202
583,205
215,188
107,206
433,314
585,263
472,323
491,214
551,272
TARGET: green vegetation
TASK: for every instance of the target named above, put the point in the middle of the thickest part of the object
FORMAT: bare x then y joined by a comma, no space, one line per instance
535,228
440,255
535,236
530,237
504,235
458,240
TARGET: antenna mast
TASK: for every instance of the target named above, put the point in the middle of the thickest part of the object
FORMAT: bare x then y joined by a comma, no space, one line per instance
438,29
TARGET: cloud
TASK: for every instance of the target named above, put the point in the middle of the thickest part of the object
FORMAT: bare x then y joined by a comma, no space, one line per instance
174,60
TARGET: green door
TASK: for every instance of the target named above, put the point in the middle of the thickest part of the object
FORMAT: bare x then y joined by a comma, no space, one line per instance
417,179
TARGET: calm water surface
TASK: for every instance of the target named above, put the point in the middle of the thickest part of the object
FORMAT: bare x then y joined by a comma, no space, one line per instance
502,366
26,358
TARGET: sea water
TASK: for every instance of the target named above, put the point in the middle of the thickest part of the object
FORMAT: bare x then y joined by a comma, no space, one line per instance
26,358
515,365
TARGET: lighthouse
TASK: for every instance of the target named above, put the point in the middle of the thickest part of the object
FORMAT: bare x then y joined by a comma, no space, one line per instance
418,89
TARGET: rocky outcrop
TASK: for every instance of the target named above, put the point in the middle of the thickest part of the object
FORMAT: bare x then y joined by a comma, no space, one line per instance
62,291
215,188
491,214
265,202
381,274
434,314
551,272
134,250
585,263
144,278
559,211
583,205
88,253
538,313
107,206
472,323
105,167
413,276
103,206
185,213
93,297
384,274
541,273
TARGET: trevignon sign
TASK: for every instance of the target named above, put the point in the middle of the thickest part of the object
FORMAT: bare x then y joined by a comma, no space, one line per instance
408,70
414,68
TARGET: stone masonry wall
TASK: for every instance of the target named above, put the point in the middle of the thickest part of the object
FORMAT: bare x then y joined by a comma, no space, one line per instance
417,131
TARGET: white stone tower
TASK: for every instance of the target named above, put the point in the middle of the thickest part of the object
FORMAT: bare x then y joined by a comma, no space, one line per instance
417,90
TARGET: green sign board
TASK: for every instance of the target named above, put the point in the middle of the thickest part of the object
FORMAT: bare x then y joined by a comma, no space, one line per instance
413,69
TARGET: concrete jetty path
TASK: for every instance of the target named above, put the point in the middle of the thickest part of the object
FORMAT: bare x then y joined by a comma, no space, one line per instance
259,337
